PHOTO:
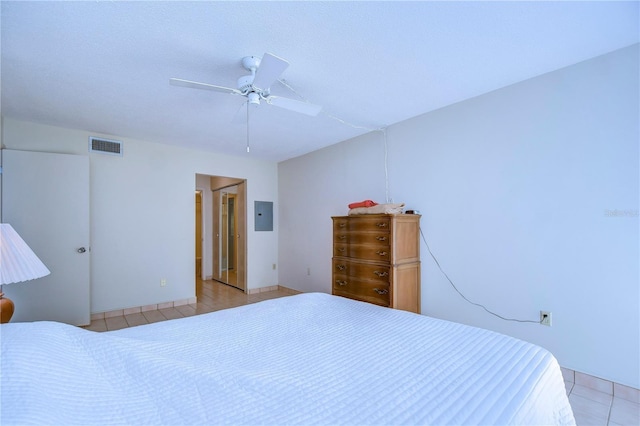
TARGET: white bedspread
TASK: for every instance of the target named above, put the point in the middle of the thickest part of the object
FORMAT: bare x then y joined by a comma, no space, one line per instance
305,359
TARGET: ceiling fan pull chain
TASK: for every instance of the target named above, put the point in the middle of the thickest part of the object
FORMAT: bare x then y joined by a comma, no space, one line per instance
247,127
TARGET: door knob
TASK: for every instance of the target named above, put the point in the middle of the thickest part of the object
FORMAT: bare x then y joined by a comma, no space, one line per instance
81,250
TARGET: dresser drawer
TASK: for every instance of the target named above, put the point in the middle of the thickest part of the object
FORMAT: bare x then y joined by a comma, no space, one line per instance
368,291
370,223
362,270
378,237
380,253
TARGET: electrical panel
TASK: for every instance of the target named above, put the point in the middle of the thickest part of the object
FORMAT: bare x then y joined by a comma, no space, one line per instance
263,211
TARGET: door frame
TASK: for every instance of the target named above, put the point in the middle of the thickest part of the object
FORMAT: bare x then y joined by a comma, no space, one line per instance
218,183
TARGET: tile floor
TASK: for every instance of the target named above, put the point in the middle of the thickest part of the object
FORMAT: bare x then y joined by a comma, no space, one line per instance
594,401
211,296
601,403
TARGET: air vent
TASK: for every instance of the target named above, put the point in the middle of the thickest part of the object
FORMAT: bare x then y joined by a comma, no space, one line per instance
105,146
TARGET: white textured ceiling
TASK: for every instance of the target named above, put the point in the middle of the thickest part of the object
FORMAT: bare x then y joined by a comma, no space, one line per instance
105,66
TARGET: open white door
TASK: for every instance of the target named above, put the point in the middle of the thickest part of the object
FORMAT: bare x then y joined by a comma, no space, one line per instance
45,197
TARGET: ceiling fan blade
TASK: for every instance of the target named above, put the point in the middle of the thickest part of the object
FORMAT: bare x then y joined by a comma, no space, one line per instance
195,85
271,67
294,105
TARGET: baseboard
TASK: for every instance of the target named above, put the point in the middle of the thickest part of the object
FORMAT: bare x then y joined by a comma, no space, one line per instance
191,301
140,309
572,378
273,288
262,289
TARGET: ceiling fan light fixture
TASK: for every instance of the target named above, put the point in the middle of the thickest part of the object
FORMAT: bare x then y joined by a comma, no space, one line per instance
254,98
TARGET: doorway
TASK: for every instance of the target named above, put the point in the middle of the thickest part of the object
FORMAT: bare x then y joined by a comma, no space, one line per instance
223,229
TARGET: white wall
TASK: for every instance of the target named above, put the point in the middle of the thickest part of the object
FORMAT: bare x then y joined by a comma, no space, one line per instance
516,189
143,211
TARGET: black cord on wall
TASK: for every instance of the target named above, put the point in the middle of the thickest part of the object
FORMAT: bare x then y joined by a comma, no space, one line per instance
462,295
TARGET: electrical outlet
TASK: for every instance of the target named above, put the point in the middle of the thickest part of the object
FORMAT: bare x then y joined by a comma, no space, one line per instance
545,318
273,266
163,282
308,271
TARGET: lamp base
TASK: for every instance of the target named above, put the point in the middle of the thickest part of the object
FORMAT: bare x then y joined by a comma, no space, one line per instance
6,309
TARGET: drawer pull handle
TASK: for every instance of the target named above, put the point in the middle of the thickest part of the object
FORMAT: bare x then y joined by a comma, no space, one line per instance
381,238
381,225
342,237
341,267
381,253
383,291
342,249
342,224
381,274
341,282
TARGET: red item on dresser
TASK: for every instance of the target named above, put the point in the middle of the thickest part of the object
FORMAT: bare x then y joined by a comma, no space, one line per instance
365,203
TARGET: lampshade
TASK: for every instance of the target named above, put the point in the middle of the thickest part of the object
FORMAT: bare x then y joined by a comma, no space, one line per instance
17,261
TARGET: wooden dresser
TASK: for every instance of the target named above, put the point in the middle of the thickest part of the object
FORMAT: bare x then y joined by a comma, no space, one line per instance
376,259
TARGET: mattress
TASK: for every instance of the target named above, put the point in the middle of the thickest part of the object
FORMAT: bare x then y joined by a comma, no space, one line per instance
304,359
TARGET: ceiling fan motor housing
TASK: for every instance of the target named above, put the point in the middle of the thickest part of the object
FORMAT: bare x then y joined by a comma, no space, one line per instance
245,83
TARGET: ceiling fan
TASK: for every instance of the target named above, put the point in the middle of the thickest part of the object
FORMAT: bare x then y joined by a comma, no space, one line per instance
256,86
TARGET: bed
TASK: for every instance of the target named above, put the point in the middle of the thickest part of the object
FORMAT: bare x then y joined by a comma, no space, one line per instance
305,359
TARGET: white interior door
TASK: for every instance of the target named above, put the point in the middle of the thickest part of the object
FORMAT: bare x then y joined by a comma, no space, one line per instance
45,197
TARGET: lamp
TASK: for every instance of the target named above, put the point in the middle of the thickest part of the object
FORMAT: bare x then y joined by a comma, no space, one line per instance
17,263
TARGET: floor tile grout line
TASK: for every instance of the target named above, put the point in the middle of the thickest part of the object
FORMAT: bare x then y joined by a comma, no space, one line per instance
609,405
609,411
